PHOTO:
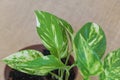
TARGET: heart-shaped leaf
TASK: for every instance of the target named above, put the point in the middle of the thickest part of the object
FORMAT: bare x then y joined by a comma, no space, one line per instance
53,33
111,66
32,62
86,59
95,37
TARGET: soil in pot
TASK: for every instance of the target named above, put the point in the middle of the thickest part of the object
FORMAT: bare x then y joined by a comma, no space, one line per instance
11,74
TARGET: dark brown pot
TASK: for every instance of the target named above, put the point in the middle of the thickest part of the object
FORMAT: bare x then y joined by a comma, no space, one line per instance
11,74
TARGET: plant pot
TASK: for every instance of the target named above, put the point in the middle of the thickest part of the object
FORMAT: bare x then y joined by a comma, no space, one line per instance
11,74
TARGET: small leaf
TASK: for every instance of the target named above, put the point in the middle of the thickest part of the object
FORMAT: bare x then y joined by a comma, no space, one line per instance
22,56
53,33
69,33
67,27
95,37
111,66
32,62
86,59
40,66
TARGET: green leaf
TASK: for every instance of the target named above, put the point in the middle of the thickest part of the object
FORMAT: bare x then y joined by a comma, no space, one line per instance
40,66
95,37
86,59
111,66
53,33
32,62
67,27
22,56
69,33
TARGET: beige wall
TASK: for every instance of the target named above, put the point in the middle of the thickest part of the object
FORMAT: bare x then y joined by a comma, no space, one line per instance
17,21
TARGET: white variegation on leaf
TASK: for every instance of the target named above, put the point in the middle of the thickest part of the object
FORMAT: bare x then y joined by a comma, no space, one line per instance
33,62
53,33
95,37
86,59
22,56
67,27
111,66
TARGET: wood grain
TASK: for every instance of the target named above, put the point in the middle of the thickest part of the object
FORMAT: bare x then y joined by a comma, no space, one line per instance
17,21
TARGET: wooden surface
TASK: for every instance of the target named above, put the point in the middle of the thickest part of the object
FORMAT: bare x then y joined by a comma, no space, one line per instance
17,21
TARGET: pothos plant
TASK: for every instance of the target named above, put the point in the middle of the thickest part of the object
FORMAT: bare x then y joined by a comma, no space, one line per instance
88,47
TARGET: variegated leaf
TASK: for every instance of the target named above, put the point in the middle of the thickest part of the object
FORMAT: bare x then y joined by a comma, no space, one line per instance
67,27
86,59
69,33
22,56
40,66
33,62
111,66
52,33
95,37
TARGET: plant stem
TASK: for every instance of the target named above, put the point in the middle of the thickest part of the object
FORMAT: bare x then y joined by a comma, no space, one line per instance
67,74
56,76
67,71
62,73
67,59
59,72
73,65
